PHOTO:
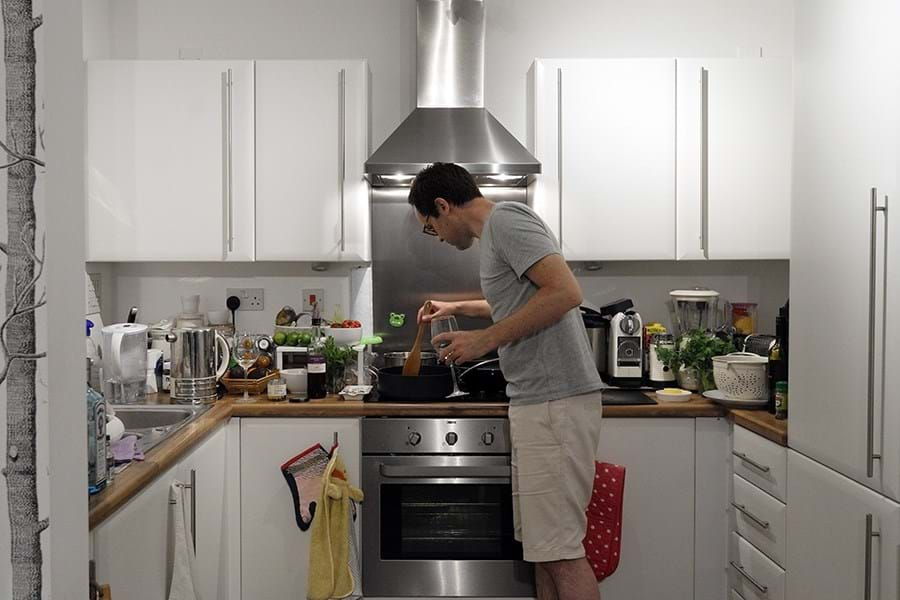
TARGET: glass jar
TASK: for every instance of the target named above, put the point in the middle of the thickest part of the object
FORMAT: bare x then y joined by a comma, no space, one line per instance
277,389
743,317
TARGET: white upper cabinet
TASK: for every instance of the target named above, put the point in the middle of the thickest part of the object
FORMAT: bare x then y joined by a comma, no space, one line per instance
169,160
735,123
844,401
312,202
604,131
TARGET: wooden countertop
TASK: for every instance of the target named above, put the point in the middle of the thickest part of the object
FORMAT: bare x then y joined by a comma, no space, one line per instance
761,422
140,473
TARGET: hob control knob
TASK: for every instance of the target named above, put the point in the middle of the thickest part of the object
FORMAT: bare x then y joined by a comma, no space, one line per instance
451,438
414,438
487,438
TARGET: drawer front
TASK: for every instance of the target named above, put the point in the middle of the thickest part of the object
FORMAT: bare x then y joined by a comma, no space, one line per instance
760,519
761,462
752,574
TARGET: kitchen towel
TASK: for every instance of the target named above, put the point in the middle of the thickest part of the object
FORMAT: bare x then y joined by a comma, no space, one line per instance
184,575
603,538
330,573
125,450
304,475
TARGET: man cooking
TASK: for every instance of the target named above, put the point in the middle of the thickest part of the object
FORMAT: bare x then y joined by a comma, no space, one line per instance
553,385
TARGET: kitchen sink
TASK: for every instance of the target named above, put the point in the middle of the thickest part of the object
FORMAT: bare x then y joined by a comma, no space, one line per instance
153,423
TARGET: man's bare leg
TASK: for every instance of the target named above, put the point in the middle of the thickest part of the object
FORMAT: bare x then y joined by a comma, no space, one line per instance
572,579
546,589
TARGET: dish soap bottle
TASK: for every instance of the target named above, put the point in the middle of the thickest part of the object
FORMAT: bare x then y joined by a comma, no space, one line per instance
97,440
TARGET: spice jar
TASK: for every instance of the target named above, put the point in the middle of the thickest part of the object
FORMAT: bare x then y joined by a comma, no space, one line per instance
277,389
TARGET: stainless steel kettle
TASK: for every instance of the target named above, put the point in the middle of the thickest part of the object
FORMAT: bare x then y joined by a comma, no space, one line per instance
199,359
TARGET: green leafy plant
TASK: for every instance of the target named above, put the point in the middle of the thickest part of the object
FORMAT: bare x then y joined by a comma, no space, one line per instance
336,359
695,350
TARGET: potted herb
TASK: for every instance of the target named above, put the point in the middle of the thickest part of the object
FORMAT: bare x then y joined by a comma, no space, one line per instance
336,359
691,358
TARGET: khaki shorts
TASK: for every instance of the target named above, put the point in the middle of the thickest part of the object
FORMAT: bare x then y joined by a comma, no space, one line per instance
554,447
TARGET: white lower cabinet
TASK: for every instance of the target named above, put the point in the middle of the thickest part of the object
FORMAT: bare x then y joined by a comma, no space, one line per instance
658,519
842,538
133,548
274,551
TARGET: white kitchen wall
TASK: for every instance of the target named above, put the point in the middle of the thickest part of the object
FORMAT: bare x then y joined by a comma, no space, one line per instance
156,289
648,285
383,31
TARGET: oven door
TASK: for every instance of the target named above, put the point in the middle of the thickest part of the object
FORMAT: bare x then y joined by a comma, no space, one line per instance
440,526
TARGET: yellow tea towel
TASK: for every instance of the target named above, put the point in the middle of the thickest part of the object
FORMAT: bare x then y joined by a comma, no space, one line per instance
329,570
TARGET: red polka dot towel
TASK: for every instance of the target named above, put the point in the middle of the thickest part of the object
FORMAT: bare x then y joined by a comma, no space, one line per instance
603,538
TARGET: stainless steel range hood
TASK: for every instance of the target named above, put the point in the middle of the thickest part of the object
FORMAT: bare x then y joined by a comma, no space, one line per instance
450,123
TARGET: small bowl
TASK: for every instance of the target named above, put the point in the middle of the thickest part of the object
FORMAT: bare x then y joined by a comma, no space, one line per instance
218,317
673,395
344,336
295,379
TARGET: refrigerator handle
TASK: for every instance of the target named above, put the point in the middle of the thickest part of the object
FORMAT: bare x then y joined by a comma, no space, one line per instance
871,456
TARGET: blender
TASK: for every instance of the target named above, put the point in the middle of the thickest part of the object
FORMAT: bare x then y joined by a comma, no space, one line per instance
692,308
124,363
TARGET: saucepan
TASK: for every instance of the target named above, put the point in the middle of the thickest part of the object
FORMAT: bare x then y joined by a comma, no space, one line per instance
434,381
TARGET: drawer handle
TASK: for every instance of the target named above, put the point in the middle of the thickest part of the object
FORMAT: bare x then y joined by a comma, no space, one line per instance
738,594
763,589
750,515
751,462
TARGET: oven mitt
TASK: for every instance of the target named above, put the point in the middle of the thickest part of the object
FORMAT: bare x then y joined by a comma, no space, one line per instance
330,574
304,475
602,540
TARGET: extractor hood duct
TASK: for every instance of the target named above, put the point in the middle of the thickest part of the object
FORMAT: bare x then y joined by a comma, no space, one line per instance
450,123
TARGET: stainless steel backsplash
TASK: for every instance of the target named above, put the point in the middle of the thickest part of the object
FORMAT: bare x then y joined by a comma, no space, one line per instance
409,267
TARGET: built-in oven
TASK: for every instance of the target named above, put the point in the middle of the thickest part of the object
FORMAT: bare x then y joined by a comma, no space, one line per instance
437,516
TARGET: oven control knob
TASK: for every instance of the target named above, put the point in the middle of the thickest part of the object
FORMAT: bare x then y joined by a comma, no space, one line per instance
451,438
488,438
414,438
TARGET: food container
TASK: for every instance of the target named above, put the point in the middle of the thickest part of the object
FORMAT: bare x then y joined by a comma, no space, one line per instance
673,395
295,379
743,317
741,376
277,389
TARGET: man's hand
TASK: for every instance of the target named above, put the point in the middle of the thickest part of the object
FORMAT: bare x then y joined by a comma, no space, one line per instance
464,345
438,309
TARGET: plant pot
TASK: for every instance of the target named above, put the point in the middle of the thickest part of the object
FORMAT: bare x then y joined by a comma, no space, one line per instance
688,378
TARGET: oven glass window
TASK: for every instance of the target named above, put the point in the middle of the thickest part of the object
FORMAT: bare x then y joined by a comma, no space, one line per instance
448,522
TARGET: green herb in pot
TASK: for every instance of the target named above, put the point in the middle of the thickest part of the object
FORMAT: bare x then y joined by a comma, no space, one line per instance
694,351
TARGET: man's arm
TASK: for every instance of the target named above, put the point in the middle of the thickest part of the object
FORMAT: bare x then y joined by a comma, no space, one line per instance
466,308
558,293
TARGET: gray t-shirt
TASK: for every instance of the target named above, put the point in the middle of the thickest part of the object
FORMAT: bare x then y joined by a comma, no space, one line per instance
555,362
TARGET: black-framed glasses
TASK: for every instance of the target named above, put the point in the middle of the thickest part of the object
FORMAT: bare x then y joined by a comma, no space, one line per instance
428,228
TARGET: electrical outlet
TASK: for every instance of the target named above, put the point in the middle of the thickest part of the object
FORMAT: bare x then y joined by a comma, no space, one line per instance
310,296
251,298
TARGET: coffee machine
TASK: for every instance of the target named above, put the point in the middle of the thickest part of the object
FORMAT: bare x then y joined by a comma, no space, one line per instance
625,351
597,325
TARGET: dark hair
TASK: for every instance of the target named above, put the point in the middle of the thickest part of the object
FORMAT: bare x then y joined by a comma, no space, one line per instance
442,180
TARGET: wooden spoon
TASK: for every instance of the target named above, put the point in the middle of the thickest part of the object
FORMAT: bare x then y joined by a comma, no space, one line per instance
414,359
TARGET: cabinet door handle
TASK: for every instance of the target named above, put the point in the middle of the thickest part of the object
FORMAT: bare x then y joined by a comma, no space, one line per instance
227,178
704,161
763,589
871,456
867,580
738,594
751,462
342,143
559,151
750,515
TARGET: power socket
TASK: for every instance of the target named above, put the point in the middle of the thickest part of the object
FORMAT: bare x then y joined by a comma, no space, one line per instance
308,295
251,298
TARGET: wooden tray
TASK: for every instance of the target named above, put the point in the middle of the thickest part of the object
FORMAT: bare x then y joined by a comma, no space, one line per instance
251,386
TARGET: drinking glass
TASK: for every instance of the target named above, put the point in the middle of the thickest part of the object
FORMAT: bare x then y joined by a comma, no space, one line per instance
245,352
444,325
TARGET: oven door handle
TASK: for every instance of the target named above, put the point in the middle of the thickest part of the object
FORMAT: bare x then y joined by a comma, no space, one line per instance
407,472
